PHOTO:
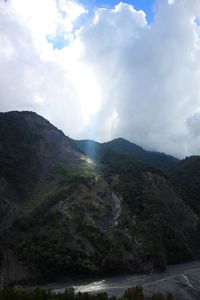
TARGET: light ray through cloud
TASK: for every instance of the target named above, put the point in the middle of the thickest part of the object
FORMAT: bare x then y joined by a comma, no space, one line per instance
104,69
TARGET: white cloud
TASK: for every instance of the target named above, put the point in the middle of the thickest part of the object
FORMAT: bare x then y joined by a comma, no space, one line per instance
34,75
116,76
150,74
46,17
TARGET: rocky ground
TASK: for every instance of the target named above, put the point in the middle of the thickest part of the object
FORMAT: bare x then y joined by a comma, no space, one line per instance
183,280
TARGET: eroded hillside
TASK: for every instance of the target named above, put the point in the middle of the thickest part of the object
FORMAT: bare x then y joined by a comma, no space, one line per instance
63,214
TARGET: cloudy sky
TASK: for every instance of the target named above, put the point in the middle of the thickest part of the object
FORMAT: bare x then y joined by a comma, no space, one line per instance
104,69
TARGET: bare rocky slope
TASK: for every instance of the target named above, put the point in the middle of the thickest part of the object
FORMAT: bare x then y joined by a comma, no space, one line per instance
65,215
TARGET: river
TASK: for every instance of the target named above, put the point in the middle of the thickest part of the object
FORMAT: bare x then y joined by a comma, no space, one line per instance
183,280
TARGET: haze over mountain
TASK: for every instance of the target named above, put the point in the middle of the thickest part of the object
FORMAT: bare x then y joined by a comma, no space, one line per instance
96,150
64,214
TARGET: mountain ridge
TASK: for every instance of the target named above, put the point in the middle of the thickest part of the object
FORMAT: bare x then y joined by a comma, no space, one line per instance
157,159
64,214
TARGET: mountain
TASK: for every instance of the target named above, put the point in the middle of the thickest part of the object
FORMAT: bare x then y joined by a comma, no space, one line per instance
64,215
186,178
95,151
37,164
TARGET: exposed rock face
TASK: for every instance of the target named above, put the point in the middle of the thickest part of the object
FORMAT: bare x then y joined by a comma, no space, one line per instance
116,207
64,214
97,203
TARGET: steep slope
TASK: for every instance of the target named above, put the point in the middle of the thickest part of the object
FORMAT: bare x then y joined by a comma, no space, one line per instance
161,216
62,214
30,145
31,152
95,150
30,149
186,178
128,219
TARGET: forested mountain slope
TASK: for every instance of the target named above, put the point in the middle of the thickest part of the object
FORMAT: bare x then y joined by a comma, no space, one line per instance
64,215
186,178
96,150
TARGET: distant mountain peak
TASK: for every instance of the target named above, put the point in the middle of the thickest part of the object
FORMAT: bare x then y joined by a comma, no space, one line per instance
156,159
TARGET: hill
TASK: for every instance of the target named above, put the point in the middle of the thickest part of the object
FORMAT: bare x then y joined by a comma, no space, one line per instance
95,151
65,215
186,178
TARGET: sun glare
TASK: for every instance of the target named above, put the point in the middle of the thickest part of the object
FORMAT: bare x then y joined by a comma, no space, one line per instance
89,92
50,26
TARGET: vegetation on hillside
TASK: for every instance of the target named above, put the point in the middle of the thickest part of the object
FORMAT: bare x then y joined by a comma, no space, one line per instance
153,204
19,161
86,218
96,150
19,293
186,179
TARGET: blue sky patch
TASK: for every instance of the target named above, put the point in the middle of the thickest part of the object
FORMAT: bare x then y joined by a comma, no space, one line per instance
146,5
58,42
197,21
